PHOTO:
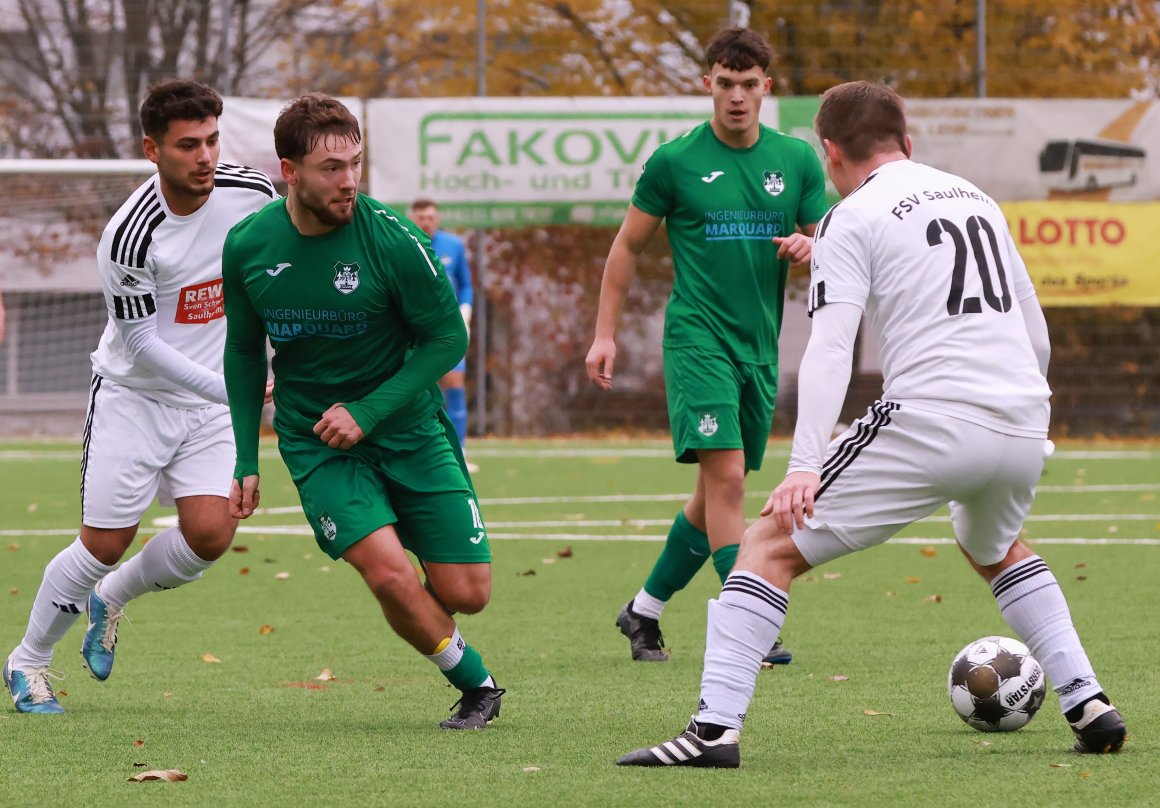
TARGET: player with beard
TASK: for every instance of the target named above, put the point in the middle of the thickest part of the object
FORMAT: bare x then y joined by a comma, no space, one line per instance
363,322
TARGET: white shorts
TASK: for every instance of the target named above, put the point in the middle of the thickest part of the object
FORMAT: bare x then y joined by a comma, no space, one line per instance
136,449
897,465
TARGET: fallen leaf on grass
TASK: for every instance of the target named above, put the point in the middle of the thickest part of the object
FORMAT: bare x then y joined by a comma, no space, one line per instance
531,768
1081,577
139,765
281,576
981,742
266,630
548,560
324,569
380,689
325,676
565,553
1085,774
838,677
525,573
240,548
13,547
307,556
167,694
209,658
1113,528
62,693
929,552
875,712
138,742
891,594
32,506
932,599
13,591
912,580
1080,565
244,571
172,775
832,576
1060,765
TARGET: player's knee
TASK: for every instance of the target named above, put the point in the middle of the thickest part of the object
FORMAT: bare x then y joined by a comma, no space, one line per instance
393,587
468,599
208,542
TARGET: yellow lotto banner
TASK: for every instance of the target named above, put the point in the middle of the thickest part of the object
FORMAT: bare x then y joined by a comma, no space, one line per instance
1089,253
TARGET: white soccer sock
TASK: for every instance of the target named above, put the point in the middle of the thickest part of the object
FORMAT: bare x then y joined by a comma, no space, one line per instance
1033,605
744,623
61,599
165,562
448,657
646,605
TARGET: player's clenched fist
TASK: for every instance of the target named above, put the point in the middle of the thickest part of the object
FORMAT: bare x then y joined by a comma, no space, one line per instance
338,429
244,497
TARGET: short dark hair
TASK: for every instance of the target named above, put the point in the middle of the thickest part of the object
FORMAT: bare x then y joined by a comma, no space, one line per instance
177,100
424,202
862,118
307,119
738,49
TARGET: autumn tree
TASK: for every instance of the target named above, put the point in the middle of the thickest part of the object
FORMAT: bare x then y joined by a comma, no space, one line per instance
73,72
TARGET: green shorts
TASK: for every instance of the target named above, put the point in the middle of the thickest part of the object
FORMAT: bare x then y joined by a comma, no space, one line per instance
716,403
419,484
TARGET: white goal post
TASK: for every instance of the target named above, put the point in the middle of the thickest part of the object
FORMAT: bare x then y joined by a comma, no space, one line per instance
52,213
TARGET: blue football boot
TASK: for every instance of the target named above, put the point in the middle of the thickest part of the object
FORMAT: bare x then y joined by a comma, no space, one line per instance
100,641
31,690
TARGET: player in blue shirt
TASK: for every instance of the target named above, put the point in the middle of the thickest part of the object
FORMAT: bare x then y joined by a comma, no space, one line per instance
453,253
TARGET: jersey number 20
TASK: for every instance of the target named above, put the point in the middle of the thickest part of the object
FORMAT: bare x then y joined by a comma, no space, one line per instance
977,226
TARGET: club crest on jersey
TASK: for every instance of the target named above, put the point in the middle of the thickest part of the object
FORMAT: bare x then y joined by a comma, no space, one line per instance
708,424
345,277
774,182
329,529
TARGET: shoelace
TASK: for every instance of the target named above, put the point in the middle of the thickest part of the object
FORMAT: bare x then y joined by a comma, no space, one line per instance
109,635
39,689
472,700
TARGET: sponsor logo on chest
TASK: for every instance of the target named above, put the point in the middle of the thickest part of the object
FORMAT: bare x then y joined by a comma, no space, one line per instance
200,303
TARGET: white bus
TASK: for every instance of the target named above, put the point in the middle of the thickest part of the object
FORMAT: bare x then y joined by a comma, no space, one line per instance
1089,165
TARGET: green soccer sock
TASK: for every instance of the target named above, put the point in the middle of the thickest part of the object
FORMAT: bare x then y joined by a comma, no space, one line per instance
723,560
459,663
685,552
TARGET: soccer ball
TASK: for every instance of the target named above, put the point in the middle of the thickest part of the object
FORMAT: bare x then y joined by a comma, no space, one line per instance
996,685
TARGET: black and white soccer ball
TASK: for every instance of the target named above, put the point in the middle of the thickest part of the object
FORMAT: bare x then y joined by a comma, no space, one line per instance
996,685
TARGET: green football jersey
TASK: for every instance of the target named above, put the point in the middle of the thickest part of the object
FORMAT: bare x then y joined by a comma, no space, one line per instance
363,315
723,206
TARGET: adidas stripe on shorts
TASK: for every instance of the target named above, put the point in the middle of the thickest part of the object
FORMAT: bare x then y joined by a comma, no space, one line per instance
899,464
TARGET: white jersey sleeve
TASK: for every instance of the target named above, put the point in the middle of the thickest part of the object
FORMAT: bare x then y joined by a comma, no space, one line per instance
161,277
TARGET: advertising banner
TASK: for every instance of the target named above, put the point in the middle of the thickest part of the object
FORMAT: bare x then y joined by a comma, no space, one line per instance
500,162
1089,253
1067,149
247,129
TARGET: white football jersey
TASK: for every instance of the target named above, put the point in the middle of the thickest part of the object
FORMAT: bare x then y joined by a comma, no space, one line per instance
930,260
153,263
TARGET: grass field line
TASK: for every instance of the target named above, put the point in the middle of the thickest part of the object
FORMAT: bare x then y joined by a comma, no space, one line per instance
586,451
305,530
